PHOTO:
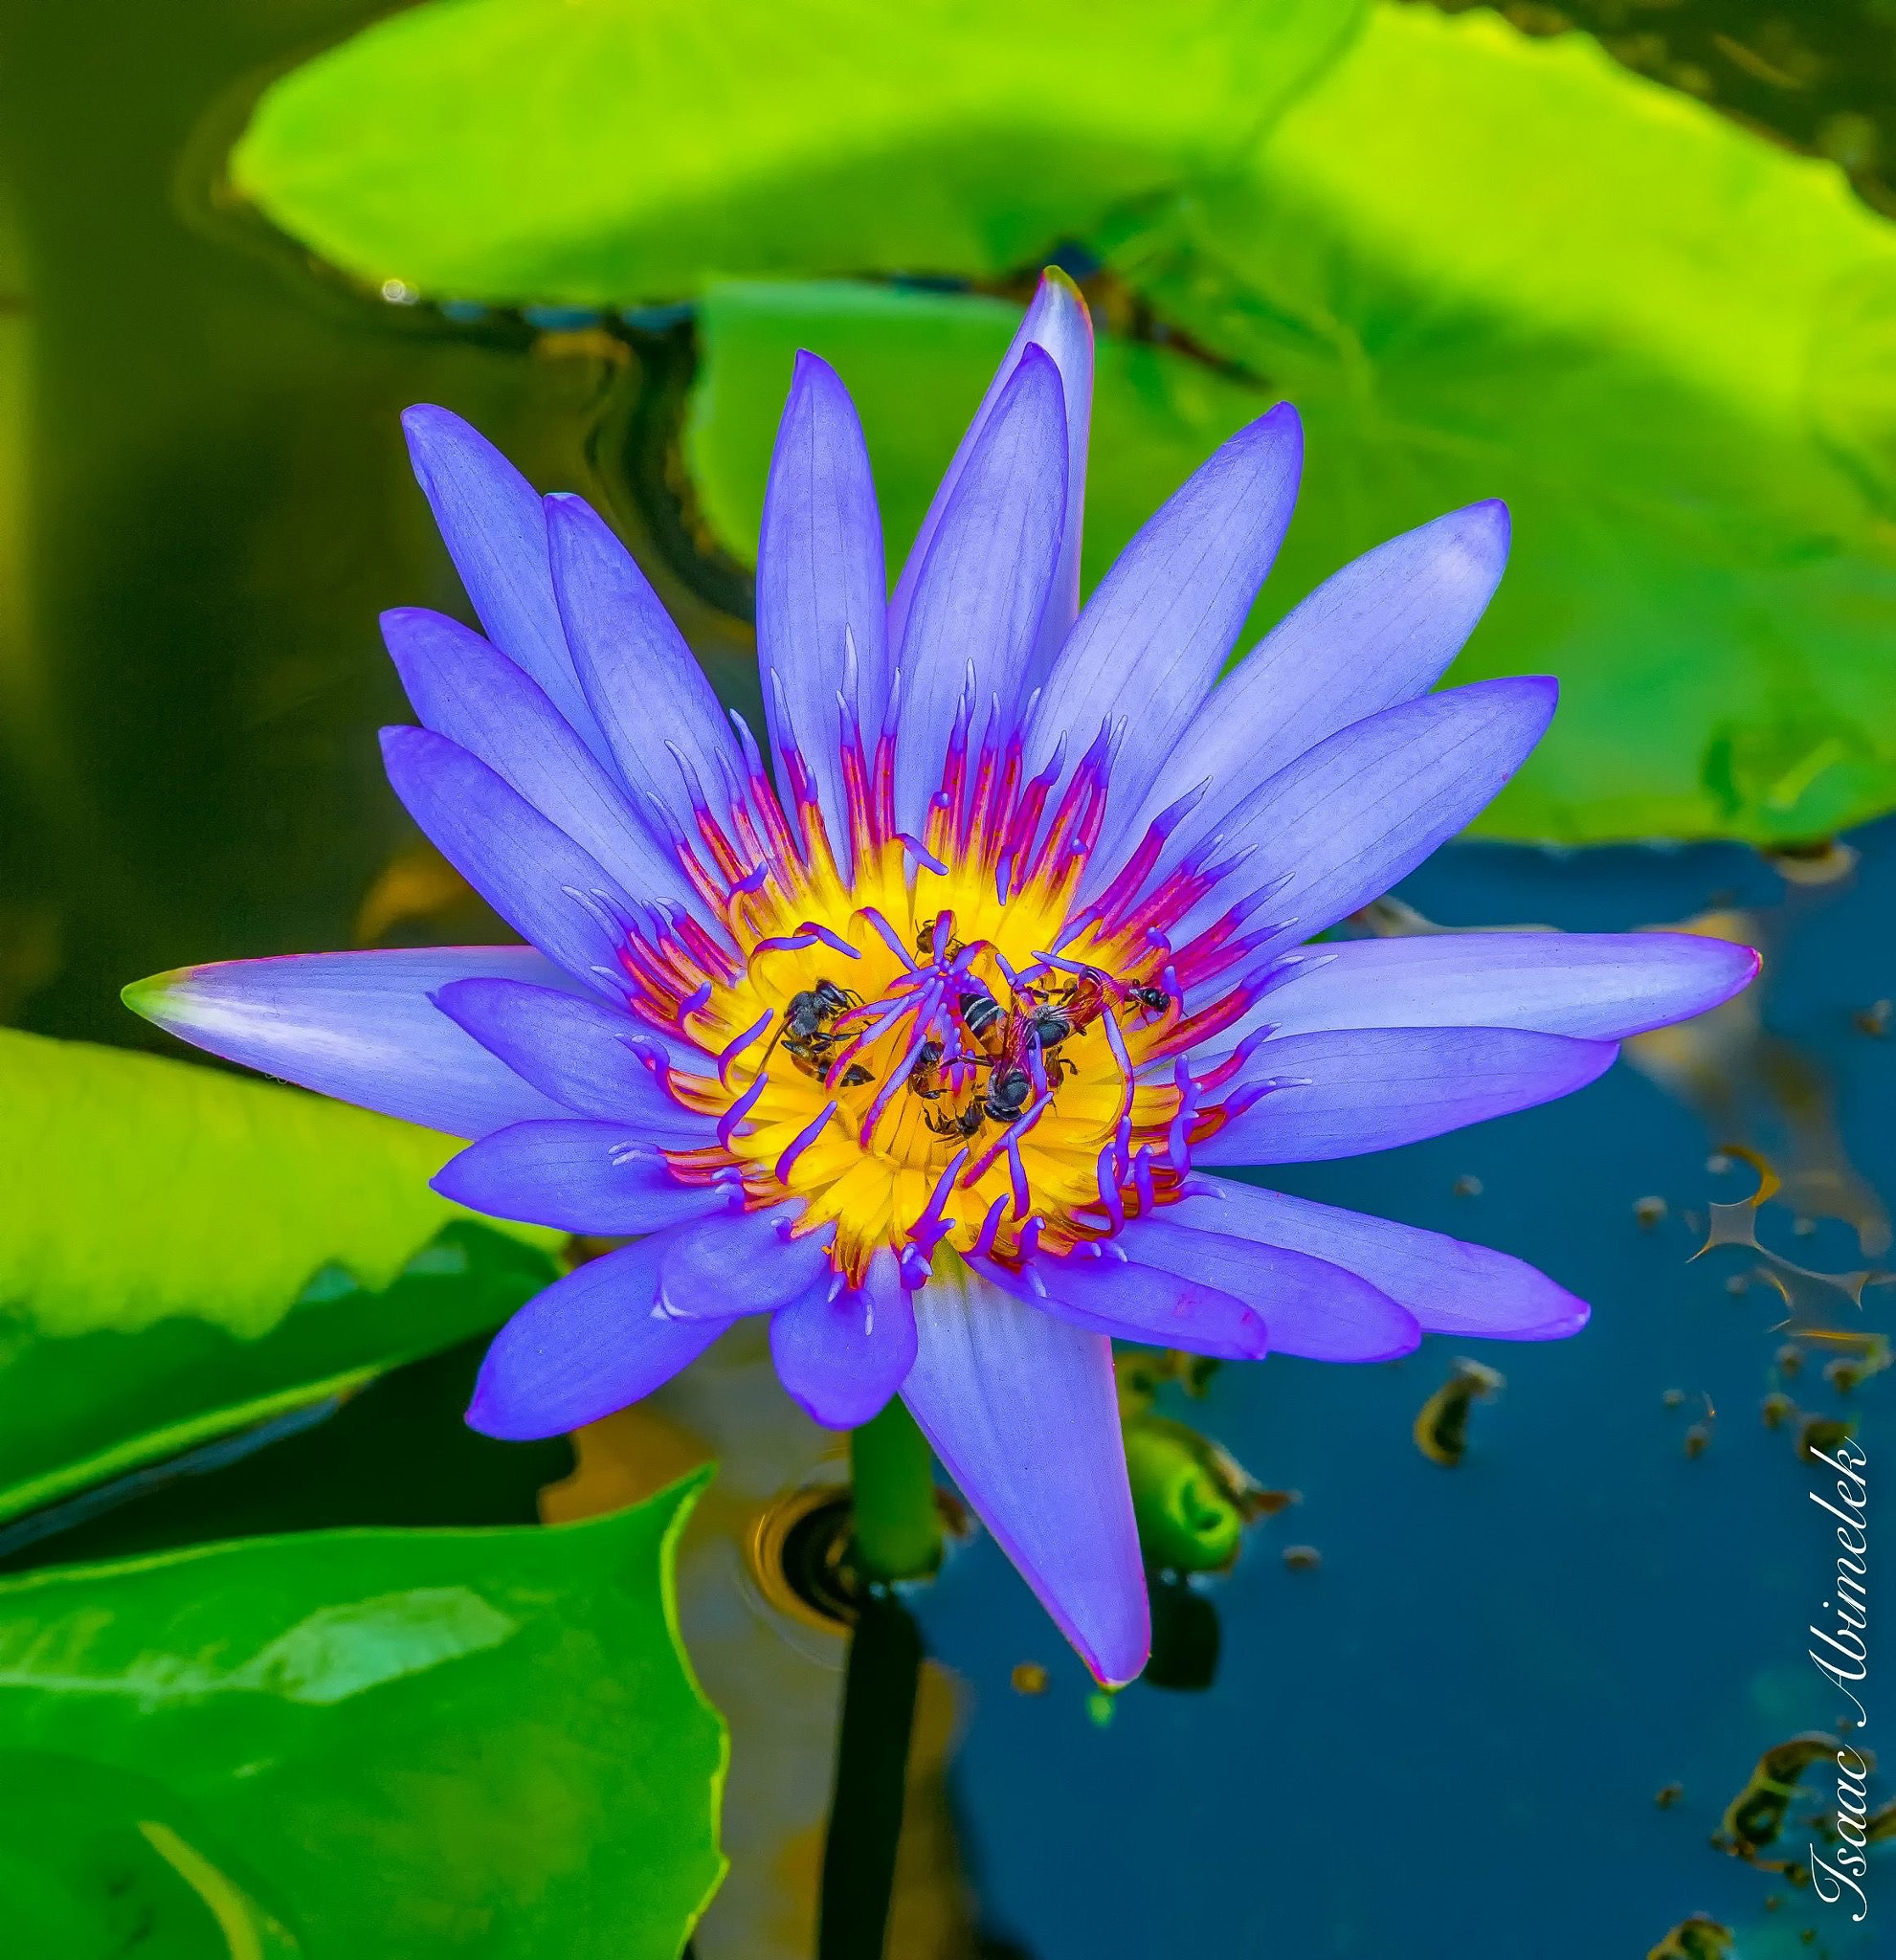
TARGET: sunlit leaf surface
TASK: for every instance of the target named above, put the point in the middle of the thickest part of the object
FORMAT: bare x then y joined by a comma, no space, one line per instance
1487,266
361,1741
624,149
186,1251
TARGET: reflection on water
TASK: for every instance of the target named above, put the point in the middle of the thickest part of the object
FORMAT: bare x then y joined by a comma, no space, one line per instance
774,1667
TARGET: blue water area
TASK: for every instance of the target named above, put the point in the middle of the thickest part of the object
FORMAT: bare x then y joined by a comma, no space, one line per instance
1448,1738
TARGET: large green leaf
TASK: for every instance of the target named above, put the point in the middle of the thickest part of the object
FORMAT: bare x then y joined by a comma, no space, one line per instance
183,1251
622,150
409,1742
1484,265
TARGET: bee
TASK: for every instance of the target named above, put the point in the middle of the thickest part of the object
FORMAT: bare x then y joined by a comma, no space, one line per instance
1082,1003
925,1077
987,1021
925,939
855,1075
1048,1023
1056,1015
806,1031
1153,1000
1009,1086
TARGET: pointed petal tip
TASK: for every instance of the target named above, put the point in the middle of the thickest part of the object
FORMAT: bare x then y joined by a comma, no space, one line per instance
831,1415
487,1415
577,535
813,375
1561,1324
1119,1659
1729,966
1474,543
1492,513
453,1185
1035,355
1535,696
1058,287
153,997
428,427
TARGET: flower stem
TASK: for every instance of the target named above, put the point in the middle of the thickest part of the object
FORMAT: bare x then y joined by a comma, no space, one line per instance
898,1529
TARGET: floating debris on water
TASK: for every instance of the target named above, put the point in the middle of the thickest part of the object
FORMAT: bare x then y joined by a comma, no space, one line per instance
1029,1678
1754,1817
1698,1938
1649,1211
1777,1408
1100,1706
1466,1186
1790,1358
1823,1434
1442,1428
1850,1370
1828,863
1806,1292
1302,1558
1673,1397
1874,1019
1698,1439
1753,1084
1668,1795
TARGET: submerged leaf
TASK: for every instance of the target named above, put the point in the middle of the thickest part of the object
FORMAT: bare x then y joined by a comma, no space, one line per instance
623,149
184,1252
361,1742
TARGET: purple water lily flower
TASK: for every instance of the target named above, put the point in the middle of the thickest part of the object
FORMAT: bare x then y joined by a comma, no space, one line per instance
924,1036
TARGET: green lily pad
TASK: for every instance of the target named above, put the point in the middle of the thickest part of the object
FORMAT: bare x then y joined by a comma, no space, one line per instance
625,149
361,1741
1484,265
185,1251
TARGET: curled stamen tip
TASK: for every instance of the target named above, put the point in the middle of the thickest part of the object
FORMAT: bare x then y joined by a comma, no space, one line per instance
732,1117
920,851
833,939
